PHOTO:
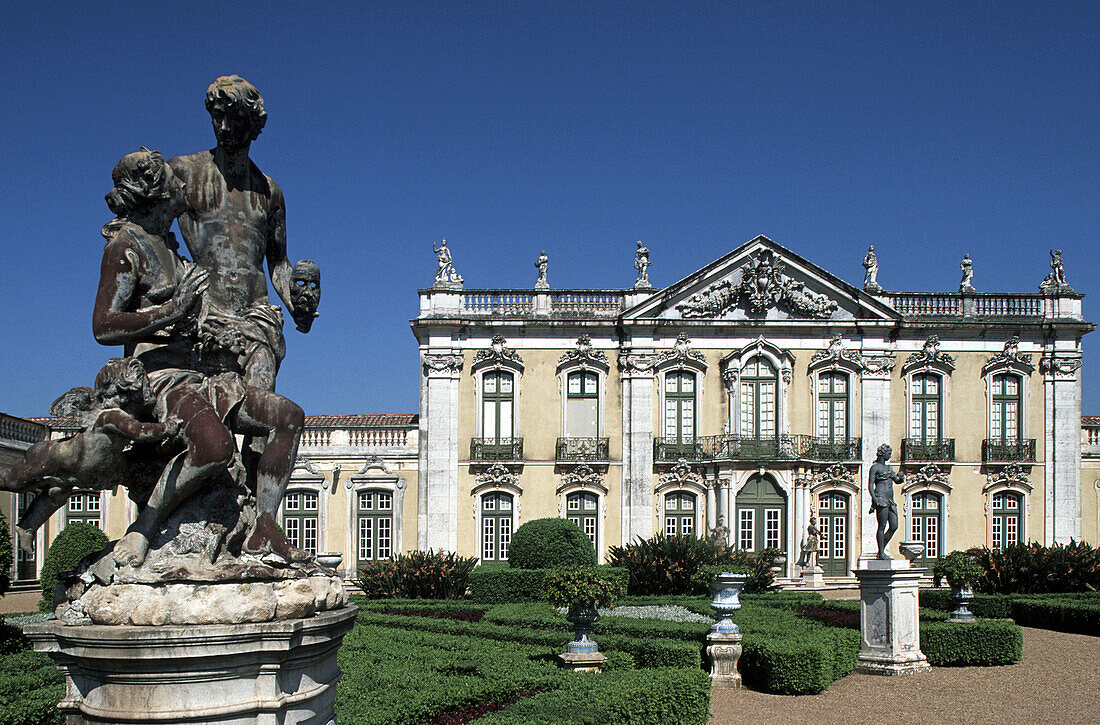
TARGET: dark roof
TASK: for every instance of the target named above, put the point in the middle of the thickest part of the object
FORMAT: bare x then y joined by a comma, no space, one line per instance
53,422
359,420
1090,420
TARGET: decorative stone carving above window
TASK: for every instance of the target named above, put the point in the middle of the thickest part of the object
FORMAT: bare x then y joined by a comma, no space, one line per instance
681,353
835,476
450,363
929,357
927,476
681,473
498,354
636,363
836,356
1064,368
763,285
1013,476
1010,359
782,359
497,476
583,477
584,355
878,364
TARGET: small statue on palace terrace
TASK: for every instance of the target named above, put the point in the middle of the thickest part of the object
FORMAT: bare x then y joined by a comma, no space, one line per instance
542,264
967,267
870,275
642,264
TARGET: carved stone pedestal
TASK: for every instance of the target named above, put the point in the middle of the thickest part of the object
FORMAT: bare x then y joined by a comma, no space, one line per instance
281,672
889,619
813,577
582,661
724,650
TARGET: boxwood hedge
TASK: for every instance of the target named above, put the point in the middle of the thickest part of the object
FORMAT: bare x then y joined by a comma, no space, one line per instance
981,643
503,584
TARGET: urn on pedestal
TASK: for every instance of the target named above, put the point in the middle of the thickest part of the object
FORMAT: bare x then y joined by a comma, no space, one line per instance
724,639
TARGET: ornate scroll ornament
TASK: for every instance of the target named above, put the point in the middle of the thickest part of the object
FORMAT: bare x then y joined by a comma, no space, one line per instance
583,476
442,363
836,356
929,356
636,362
498,353
584,354
498,476
681,352
833,475
376,463
1064,368
928,475
763,285
1010,357
1011,476
682,473
730,376
878,364
304,464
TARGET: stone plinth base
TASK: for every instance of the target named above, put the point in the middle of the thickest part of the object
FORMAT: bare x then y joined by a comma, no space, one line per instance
724,650
582,661
889,619
241,674
813,577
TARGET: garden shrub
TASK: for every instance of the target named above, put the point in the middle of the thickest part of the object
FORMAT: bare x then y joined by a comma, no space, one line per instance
549,543
503,584
802,662
1034,568
417,575
30,688
75,541
687,564
1080,616
650,697
580,585
5,556
981,643
985,606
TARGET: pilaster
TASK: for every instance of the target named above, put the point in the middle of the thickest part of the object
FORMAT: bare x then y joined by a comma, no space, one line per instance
1062,384
876,371
638,391
437,502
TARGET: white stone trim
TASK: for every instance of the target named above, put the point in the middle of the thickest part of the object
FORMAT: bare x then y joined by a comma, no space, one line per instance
375,476
583,479
1011,478
498,478
307,478
573,366
781,359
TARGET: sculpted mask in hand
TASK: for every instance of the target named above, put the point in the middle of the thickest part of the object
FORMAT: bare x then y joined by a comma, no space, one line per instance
305,293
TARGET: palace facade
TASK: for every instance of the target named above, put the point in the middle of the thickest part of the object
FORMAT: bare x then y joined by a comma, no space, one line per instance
738,402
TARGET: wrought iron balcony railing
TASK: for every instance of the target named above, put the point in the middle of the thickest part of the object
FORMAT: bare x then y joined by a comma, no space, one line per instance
826,449
917,450
581,449
724,447
994,450
496,449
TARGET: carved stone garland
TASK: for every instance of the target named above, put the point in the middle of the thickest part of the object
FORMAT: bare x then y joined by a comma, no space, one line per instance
443,363
763,285
929,355
497,352
584,354
1010,357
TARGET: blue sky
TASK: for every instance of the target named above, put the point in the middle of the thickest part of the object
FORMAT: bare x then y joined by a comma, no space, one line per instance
926,129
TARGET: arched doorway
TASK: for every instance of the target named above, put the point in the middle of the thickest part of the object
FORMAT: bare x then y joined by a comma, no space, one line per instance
761,515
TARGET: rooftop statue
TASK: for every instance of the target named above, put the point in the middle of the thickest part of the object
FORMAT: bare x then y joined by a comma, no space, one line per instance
201,347
967,267
1056,280
870,275
541,264
445,276
642,265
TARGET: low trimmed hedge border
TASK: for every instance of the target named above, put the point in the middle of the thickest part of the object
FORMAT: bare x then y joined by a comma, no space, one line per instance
1075,612
980,643
503,584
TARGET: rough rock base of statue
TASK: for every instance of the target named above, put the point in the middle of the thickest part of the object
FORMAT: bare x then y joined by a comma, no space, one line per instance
263,673
889,619
813,577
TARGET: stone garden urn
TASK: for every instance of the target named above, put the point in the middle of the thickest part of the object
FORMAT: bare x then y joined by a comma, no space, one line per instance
583,616
911,549
962,595
778,564
726,593
330,559
724,639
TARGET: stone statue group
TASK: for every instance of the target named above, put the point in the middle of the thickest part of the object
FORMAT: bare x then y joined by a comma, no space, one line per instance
202,346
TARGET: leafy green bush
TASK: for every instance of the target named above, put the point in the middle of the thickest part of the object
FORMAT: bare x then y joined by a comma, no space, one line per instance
5,556
803,662
644,697
688,564
958,568
75,541
549,543
1034,568
417,575
30,688
580,585
982,643
985,606
500,584
1081,616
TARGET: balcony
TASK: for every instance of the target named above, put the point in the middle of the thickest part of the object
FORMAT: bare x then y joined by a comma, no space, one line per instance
725,447
690,449
916,450
1007,451
825,449
581,449
496,449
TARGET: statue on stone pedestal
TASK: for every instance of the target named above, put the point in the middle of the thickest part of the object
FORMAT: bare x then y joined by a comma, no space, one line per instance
880,481
642,264
967,267
445,276
541,264
1056,280
811,545
870,275
720,534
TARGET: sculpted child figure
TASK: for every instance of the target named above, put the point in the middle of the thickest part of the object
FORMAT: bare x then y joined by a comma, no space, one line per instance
92,458
880,480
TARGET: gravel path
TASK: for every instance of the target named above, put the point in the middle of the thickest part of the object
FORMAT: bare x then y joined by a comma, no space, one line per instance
1057,681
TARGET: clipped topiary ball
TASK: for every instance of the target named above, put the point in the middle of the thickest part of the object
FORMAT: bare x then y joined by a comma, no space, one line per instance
75,541
548,543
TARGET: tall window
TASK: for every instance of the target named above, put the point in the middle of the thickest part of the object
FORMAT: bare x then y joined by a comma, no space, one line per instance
1006,417
300,521
679,514
761,515
832,407
926,525
375,517
680,406
758,385
83,507
1006,519
496,526
581,405
832,521
582,509
926,408
25,562
496,400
